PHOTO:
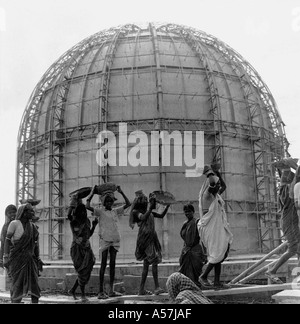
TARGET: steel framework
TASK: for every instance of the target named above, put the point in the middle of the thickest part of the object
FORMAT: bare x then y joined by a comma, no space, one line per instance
268,140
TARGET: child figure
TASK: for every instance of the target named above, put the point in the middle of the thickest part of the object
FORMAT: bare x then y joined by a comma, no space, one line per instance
108,231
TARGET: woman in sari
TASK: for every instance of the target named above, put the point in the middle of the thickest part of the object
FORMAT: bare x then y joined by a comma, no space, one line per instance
81,252
295,188
182,290
148,248
192,256
21,256
213,226
10,215
289,224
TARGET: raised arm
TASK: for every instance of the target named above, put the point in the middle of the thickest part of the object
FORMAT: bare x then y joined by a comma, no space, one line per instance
70,213
7,242
89,198
163,214
94,224
223,184
127,202
143,217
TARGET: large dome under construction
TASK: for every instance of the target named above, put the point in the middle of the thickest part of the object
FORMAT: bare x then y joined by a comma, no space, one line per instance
153,77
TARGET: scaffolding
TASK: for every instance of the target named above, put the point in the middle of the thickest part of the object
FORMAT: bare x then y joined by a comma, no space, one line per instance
48,146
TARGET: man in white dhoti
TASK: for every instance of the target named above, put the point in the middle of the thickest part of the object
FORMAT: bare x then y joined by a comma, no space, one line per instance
213,226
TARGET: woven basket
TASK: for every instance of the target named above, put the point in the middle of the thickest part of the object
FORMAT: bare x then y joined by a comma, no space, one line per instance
105,188
32,202
81,193
164,197
286,163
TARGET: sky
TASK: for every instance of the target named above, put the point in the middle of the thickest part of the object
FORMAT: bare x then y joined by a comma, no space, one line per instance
35,33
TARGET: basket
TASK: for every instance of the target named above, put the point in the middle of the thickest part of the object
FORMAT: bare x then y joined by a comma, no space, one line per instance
286,163
32,202
164,197
81,193
105,188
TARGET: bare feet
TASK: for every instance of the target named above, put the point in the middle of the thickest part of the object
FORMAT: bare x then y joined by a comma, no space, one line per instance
158,291
114,294
72,293
220,285
84,299
144,292
204,282
102,295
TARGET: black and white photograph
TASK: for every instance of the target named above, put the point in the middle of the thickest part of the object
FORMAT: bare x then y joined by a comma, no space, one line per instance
150,154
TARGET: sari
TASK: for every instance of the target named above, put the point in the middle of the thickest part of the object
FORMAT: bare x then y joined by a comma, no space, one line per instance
192,257
81,252
182,290
4,230
23,262
213,226
289,219
147,245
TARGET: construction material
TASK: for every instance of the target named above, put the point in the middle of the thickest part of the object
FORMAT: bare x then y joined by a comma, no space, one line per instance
251,289
259,271
255,265
164,197
287,297
81,193
283,291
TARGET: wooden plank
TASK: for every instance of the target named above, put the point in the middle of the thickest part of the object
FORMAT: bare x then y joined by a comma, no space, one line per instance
287,297
247,290
61,299
163,296
255,265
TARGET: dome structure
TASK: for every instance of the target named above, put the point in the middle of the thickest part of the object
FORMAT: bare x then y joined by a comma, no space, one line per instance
152,78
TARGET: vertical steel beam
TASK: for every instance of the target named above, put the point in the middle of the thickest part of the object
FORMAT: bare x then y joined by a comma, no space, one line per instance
135,53
55,119
160,111
196,45
104,95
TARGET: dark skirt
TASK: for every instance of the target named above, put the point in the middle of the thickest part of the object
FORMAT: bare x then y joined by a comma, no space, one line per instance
23,265
148,247
191,262
24,279
83,260
289,220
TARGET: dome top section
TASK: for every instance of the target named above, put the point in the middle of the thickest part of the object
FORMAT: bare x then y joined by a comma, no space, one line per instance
90,82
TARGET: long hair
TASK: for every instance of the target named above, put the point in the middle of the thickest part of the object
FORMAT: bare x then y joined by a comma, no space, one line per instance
8,209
